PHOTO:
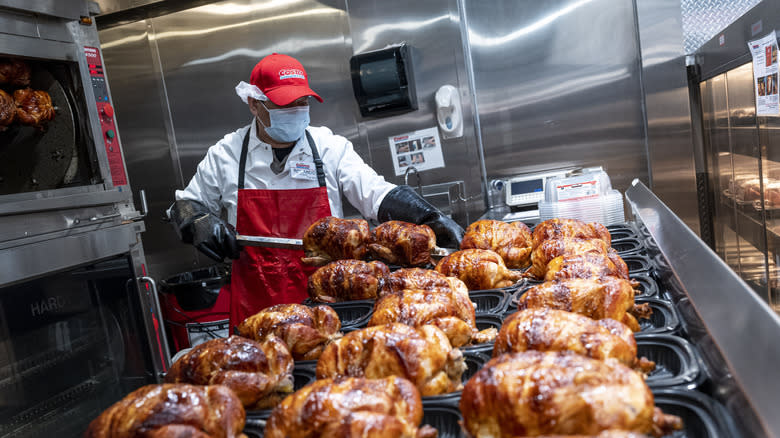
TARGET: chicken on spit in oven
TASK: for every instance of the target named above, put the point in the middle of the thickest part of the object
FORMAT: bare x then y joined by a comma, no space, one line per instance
479,268
33,107
7,110
512,241
417,278
14,72
345,280
332,238
305,330
352,407
557,228
559,393
259,373
422,355
403,243
557,330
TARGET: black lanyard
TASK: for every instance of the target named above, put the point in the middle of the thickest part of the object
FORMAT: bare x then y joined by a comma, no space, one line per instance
245,148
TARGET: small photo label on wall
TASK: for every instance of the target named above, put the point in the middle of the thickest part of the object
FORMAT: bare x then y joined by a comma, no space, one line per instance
419,149
764,52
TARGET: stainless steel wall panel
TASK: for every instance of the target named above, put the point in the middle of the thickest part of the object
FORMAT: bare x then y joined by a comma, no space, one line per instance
703,19
669,141
558,85
70,9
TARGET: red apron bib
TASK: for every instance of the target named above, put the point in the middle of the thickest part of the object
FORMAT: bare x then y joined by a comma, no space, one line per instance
263,277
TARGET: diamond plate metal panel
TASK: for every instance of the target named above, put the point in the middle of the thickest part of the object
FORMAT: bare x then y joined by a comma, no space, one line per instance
703,19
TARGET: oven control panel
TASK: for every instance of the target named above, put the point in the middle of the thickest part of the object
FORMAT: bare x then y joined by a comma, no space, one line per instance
106,116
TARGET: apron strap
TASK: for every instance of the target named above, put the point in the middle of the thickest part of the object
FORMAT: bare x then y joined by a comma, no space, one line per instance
315,155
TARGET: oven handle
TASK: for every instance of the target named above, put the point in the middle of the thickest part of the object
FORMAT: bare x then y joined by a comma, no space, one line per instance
160,330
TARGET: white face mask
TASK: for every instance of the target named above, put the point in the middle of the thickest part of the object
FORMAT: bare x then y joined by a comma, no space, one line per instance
287,124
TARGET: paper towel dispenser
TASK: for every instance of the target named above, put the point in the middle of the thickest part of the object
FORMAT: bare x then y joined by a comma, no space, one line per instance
383,81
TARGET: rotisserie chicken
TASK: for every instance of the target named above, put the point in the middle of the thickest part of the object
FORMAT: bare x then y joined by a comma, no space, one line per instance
14,72
345,280
33,107
597,299
451,311
592,265
305,330
605,434
332,238
512,241
479,268
351,407
548,250
558,330
7,110
403,243
536,393
417,278
172,411
557,228
259,373
422,355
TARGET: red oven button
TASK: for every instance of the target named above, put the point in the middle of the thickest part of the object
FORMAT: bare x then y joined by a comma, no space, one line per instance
108,110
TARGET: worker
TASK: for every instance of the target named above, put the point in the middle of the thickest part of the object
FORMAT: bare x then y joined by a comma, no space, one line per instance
275,177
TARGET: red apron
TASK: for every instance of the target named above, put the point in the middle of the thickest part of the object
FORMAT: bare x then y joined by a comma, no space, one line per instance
263,277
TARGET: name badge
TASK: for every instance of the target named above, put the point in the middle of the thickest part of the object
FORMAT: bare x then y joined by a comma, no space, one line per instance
303,170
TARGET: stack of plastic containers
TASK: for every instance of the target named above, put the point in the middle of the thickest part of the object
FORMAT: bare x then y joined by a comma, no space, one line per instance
588,197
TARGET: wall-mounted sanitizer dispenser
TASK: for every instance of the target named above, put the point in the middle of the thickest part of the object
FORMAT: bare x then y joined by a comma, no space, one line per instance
383,81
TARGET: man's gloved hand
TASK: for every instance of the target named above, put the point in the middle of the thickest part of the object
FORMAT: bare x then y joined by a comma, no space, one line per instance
211,235
404,204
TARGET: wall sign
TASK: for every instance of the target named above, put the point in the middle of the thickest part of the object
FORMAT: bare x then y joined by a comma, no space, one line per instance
764,52
421,149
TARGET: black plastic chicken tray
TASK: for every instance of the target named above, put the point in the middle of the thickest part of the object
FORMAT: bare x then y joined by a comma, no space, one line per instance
302,376
474,362
484,322
648,287
445,418
493,302
702,416
352,314
629,246
663,320
677,362
637,264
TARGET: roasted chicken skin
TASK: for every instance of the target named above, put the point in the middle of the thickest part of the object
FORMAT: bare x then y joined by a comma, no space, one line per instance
512,241
7,110
259,373
351,407
403,243
557,228
305,330
597,299
558,330
451,311
421,355
546,393
332,238
417,278
345,280
548,250
33,107
14,72
479,268
172,411
592,265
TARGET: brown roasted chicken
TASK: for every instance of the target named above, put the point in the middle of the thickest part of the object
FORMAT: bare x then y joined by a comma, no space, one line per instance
305,330
14,72
512,241
547,393
351,407
332,238
172,411
557,228
605,434
558,330
451,311
422,355
259,373
479,268
417,278
7,110
548,250
593,265
403,243
345,280
33,107
597,299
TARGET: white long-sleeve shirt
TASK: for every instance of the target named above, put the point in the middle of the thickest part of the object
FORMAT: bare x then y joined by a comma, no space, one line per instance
215,183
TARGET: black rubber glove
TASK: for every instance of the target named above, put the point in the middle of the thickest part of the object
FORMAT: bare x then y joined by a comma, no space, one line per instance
195,224
404,204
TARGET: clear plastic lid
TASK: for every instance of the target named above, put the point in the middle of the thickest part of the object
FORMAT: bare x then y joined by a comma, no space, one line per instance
578,187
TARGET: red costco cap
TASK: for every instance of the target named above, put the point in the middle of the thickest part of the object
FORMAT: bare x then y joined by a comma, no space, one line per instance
282,79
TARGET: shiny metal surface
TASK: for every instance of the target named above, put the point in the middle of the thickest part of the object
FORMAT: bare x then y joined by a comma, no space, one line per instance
669,141
36,226
703,19
69,9
558,85
743,327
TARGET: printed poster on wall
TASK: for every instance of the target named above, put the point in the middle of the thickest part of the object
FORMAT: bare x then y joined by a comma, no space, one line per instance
764,52
421,149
